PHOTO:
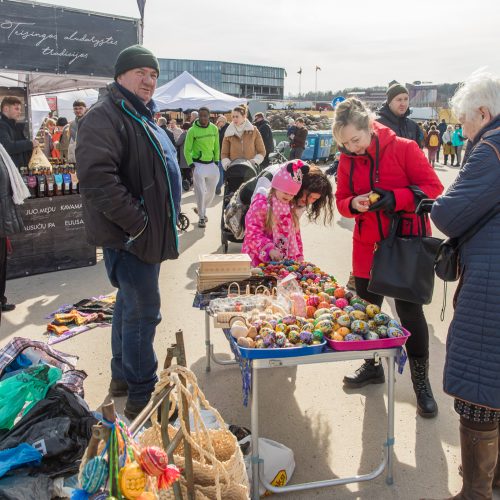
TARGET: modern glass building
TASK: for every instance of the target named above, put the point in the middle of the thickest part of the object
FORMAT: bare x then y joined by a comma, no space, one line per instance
239,80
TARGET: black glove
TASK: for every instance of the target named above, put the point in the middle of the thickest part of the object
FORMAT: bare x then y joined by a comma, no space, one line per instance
387,201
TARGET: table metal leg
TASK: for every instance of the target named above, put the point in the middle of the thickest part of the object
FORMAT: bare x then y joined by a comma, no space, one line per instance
207,340
390,418
254,426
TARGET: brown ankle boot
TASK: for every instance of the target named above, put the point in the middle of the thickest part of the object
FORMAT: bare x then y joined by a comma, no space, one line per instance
479,457
496,475
479,450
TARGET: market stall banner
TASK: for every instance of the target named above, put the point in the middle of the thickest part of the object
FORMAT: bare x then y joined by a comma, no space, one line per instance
50,39
53,239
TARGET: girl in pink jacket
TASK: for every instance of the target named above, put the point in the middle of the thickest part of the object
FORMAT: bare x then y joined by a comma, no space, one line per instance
272,230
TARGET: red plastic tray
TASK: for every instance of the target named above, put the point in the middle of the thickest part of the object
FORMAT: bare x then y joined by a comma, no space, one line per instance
368,345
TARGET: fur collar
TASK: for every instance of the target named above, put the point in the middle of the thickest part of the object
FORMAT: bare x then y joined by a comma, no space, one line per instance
231,129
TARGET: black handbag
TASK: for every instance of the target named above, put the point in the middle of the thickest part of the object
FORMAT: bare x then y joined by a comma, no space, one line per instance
447,262
403,266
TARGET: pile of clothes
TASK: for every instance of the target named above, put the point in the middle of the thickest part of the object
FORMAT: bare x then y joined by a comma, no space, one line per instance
45,424
73,319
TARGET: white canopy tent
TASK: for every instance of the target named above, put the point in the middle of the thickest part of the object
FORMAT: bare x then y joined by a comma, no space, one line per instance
40,86
65,101
187,93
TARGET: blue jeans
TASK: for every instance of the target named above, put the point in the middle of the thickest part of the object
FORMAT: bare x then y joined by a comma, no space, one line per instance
221,178
136,315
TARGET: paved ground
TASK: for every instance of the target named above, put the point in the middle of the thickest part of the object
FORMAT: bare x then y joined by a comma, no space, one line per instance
332,432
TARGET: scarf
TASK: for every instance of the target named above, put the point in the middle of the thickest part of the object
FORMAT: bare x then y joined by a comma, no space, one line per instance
19,190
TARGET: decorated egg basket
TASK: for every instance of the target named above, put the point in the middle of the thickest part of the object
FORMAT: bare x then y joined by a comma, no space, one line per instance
340,319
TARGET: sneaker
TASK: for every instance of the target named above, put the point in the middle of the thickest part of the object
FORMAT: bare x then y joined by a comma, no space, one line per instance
133,408
201,223
118,388
367,373
195,210
8,307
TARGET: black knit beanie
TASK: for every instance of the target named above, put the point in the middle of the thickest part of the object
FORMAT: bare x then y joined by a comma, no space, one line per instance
135,56
394,90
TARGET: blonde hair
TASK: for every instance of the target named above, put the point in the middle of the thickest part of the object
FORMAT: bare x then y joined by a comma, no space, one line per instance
50,121
269,223
352,111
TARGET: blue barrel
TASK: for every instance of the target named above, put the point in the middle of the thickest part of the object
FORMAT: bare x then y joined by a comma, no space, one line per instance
309,153
323,145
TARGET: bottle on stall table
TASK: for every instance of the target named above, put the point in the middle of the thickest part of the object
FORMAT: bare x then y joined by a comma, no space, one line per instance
66,182
58,178
42,184
24,174
50,182
74,181
32,183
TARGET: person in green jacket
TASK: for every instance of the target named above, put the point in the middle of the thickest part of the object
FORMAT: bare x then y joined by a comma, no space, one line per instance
201,149
457,141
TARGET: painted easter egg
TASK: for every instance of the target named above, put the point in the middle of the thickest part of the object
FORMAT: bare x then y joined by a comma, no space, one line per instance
372,310
343,331
344,320
306,337
381,319
280,339
132,480
341,303
357,315
359,326
371,336
395,332
353,337
381,331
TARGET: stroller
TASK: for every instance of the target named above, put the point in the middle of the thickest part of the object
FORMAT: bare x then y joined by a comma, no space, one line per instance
277,156
238,172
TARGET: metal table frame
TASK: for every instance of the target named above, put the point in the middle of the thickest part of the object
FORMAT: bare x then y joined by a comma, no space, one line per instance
210,356
390,355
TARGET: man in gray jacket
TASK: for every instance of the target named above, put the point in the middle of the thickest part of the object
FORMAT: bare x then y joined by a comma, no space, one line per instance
130,184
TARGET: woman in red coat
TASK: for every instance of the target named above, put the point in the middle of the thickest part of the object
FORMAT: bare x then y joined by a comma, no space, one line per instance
375,160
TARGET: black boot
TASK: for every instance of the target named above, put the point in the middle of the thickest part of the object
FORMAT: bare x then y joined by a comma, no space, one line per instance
367,373
446,159
426,404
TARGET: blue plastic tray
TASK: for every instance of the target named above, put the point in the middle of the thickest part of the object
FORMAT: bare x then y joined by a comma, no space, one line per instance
284,352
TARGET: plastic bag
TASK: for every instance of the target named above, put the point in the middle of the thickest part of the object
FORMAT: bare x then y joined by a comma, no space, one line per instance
290,293
22,455
279,462
29,386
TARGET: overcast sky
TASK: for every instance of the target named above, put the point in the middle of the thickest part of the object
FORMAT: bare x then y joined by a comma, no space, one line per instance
356,43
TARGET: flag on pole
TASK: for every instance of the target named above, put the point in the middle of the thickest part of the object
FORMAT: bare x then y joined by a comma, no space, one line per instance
318,68
300,71
141,4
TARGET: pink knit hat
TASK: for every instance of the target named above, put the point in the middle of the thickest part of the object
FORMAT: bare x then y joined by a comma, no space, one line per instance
289,177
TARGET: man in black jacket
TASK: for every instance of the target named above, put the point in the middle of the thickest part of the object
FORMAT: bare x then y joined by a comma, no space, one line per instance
267,136
130,184
12,135
394,114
